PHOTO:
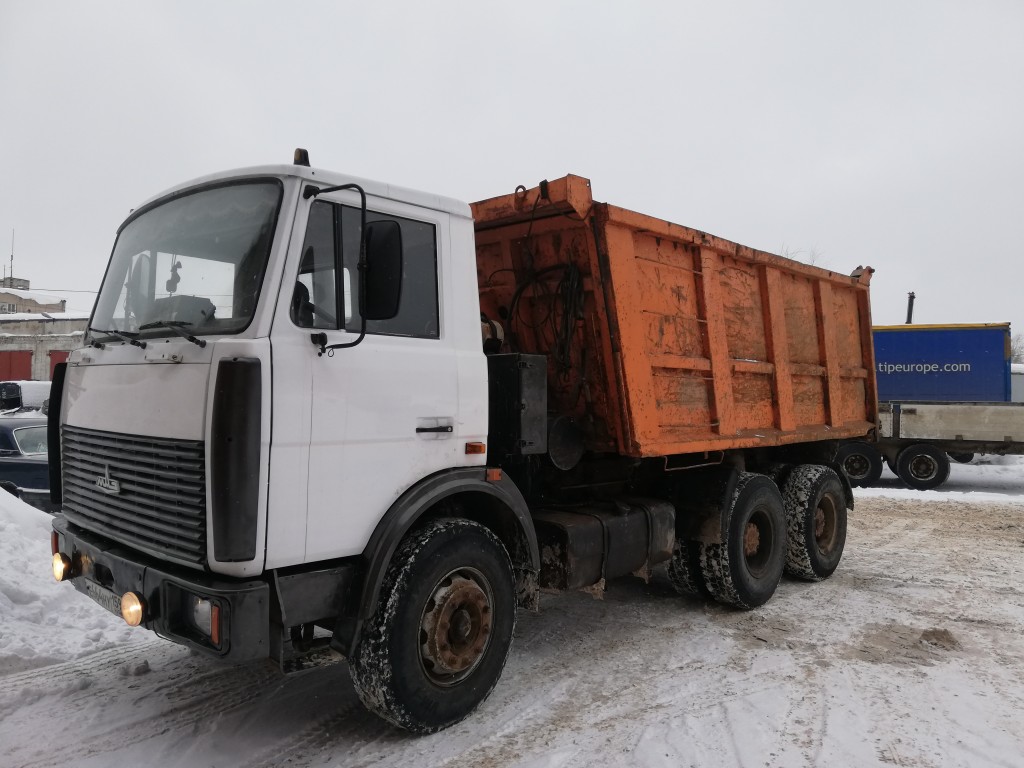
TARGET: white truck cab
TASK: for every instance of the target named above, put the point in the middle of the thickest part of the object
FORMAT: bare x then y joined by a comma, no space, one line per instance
250,269
267,400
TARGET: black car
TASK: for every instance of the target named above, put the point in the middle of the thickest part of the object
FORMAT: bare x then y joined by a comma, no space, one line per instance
23,460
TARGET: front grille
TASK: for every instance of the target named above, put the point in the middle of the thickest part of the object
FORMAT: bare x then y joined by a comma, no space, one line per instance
159,505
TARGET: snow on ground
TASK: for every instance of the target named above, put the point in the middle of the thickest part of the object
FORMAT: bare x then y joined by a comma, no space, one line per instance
911,655
40,623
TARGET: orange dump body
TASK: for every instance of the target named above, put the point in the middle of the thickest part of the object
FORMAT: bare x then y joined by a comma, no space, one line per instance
663,340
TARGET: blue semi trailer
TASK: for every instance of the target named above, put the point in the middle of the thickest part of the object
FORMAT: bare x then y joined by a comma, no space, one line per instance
943,363
943,391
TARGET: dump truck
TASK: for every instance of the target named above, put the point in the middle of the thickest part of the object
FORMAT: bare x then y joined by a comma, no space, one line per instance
321,418
944,395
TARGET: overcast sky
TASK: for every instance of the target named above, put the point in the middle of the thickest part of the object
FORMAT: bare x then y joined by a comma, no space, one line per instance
880,133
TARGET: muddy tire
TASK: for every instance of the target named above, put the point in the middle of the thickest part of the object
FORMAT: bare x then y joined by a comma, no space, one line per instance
861,462
684,569
816,516
437,643
922,466
745,570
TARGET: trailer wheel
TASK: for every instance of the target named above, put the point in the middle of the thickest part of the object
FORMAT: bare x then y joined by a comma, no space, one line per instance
684,569
922,466
861,462
437,643
746,568
816,515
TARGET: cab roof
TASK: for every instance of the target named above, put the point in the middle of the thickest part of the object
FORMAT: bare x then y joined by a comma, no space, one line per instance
322,178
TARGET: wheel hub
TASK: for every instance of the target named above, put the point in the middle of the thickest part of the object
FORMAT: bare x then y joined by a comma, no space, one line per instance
857,467
456,626
825,517
758,542
923,468
751,540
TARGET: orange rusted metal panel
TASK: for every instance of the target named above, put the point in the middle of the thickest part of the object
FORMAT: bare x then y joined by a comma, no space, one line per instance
664,340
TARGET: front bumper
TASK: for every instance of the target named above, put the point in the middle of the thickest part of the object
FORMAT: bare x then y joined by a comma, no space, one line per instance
104,571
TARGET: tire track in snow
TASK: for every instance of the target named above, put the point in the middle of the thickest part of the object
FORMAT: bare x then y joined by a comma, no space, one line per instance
169,697
351,726
67,672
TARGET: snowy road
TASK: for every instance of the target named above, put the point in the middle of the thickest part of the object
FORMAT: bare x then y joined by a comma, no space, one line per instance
911,655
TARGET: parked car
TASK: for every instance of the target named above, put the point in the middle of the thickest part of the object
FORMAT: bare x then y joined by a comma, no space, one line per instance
23,460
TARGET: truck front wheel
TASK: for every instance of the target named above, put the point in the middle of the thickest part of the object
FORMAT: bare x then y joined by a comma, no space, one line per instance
922,466
745,570
816,520
437,642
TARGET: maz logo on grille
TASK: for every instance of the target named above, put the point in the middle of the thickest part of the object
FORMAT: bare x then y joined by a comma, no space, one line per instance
107,484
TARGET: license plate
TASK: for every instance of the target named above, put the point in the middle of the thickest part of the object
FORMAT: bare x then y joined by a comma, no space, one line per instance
104,597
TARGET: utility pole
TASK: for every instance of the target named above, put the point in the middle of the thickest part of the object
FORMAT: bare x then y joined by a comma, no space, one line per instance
12,258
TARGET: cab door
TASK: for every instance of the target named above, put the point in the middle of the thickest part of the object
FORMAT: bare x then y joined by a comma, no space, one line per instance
384,413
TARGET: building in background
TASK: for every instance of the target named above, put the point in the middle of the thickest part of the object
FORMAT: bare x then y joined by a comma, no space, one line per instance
36,331
14,299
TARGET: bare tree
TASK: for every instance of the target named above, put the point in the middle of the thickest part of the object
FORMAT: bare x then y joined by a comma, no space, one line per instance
812,256
1017,348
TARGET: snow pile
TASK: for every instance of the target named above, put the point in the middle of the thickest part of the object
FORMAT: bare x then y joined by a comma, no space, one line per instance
41,621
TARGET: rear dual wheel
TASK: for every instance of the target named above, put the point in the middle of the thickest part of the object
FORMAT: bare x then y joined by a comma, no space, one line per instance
745,570
684,569
816,517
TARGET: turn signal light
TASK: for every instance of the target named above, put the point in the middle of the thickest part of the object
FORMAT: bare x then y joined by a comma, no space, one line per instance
61,566
133,608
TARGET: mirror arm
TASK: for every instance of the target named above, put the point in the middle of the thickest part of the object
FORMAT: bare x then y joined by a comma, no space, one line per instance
312,191
320,339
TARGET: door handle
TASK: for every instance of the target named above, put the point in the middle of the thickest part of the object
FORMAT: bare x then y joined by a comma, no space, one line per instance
433,429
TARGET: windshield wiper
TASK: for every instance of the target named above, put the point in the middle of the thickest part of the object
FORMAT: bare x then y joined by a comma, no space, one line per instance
176,326
123,335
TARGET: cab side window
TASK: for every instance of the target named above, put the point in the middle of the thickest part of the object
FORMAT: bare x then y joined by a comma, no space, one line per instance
332,283
417,311
315,296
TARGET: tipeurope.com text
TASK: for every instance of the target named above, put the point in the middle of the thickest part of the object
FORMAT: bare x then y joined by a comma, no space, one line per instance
924,368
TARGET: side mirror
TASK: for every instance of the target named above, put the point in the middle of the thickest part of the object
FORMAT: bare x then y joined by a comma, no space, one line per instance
383,270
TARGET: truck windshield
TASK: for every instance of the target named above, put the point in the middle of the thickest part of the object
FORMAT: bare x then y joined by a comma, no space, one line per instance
196,261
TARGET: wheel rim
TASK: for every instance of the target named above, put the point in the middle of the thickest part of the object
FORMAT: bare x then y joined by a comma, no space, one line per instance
923,467
455,627
825,524
758,541
857,466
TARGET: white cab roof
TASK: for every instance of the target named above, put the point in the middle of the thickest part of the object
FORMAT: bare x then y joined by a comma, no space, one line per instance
329,179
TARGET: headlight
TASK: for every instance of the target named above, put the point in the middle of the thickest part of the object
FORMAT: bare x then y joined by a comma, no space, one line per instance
61,566
133,608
